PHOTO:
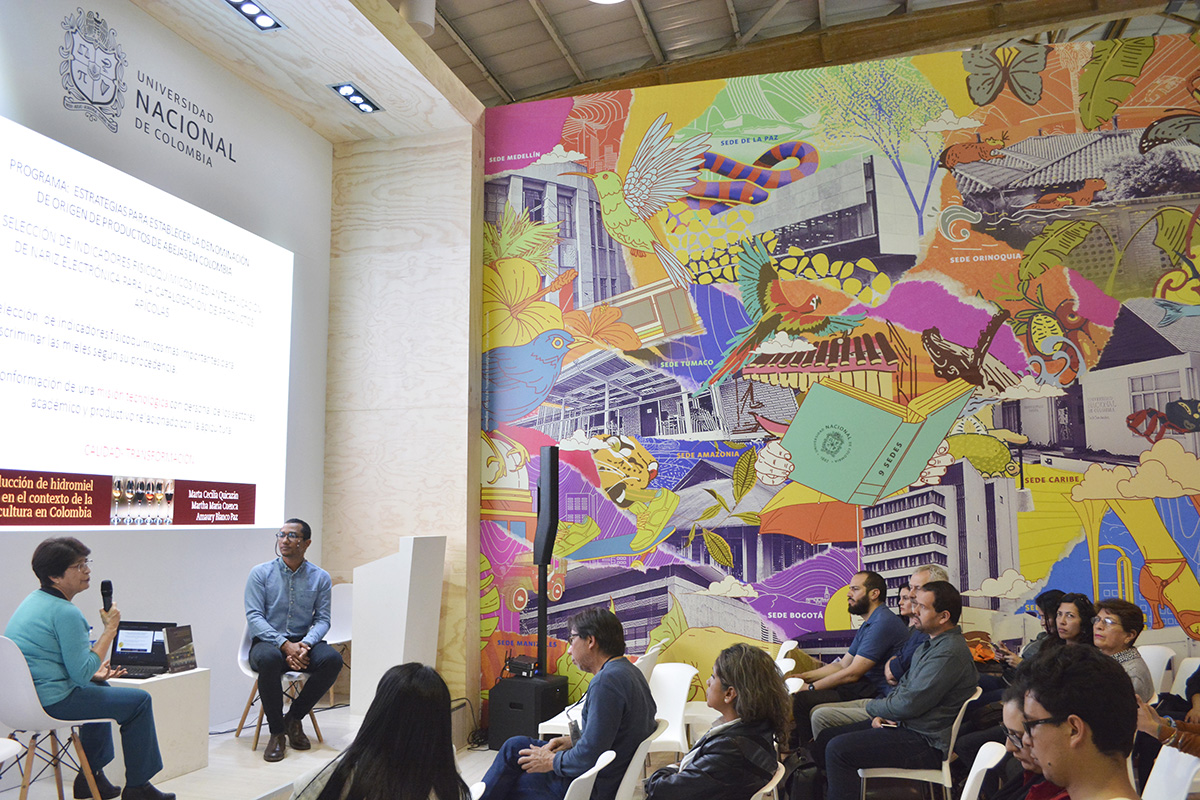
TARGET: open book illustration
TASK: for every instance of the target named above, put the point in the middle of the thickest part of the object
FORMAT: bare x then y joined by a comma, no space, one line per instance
859,447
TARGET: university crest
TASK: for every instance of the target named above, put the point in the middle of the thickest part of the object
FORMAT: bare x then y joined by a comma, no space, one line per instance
93,68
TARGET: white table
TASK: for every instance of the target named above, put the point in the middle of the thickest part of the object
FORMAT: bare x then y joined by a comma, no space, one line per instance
180,719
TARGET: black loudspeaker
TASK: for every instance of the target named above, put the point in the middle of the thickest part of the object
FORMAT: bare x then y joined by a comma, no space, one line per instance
517,705
547,511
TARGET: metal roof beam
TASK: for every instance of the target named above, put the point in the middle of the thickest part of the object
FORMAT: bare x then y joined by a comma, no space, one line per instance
977,23
469,53
733,20
1191,23
538,9
648,32
763,20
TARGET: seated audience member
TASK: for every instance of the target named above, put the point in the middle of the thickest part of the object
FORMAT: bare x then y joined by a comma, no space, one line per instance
971,737
1073,620
738,755
911,726
835,715
1029,783
859,673
404,749
1180,734
618,715
1047,607
1117,625
70,676
1080,718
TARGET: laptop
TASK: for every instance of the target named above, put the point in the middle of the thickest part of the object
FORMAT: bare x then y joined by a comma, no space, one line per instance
141,649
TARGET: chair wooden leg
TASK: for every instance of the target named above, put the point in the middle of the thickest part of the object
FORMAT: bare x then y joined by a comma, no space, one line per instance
57,762
257,729
30,751
246,710
862,788
316,727
84,766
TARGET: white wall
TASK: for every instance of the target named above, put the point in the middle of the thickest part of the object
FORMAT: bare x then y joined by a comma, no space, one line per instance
280,189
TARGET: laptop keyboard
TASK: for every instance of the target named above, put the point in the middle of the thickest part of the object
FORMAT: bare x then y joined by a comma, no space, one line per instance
143,672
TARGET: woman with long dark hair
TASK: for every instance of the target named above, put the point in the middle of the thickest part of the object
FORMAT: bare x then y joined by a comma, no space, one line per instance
1074,619
739,754
403,751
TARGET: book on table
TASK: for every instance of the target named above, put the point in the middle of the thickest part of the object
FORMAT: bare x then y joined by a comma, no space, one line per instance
858,447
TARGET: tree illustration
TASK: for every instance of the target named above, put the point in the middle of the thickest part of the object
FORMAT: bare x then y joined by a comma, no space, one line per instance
885,103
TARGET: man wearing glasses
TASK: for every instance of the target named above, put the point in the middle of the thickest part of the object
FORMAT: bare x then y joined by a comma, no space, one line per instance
909,728
618,714
1080,718
287,611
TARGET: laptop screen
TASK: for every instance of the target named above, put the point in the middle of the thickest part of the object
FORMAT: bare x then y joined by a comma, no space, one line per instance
140,644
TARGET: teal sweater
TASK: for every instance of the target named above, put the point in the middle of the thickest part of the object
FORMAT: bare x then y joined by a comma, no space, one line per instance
52,634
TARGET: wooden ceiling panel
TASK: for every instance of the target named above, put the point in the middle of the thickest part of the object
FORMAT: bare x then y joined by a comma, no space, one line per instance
325,41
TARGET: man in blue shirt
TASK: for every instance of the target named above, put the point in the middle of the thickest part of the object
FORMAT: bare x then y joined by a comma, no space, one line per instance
859,673
287,610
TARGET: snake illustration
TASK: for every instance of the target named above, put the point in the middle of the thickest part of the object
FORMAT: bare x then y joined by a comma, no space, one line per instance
751,182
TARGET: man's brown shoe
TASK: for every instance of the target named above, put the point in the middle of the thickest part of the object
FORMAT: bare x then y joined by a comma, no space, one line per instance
276,748
295,734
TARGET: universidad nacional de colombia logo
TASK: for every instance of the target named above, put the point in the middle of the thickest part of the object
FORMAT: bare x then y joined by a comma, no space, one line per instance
93,68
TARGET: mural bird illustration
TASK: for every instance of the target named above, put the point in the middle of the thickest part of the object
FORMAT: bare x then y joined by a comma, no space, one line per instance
659,174
516,380
773,305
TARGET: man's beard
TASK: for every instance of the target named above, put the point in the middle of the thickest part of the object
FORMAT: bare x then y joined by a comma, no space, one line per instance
860,608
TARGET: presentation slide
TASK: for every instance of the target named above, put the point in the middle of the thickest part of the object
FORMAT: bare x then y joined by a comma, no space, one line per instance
144,347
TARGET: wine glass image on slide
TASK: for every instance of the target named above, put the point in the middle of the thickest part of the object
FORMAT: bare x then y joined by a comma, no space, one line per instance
129,501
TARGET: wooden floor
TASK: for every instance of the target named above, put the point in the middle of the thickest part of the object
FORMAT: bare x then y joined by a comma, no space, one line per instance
236,773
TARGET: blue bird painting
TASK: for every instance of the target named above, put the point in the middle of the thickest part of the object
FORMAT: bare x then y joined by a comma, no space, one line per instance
518,378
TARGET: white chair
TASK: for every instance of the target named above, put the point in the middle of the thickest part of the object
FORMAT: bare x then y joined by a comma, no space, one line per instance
633,772
649,659
940,776
670,686
785,647
9,749
581,787
478,788
20,710
785,665
988,756
794,685
1157,657
698,718
341,615
771,784
292,681
1171,778
1183,671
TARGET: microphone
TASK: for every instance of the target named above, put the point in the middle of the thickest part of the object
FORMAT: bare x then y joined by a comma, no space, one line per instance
106,594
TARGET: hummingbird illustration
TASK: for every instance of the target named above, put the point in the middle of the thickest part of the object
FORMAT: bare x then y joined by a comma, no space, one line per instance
774,304
659,174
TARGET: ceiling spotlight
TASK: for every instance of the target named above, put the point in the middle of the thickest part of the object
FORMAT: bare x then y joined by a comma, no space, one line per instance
606,2
256,15
355,97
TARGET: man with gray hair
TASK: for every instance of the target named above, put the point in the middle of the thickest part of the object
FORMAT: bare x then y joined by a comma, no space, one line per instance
834,715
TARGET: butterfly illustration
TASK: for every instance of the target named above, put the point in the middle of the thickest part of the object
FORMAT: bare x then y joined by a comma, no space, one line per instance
1020,67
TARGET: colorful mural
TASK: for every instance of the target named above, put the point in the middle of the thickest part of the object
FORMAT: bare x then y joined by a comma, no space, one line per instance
785,327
